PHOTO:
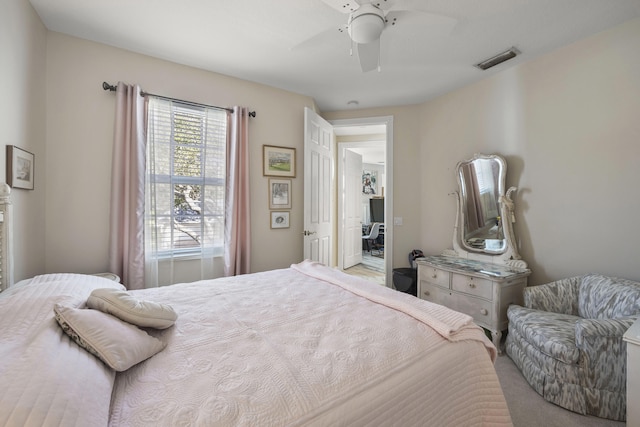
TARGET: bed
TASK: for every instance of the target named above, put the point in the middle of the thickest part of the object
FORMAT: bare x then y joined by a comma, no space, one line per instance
301,346
306,345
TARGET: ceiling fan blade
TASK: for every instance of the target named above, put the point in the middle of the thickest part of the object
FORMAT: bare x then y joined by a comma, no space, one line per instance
436,24
331,35
368,55
344,6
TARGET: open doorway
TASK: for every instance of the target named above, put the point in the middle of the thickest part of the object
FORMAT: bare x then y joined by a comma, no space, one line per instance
364,198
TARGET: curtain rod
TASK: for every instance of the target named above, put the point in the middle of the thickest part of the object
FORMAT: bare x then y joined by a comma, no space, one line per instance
112,88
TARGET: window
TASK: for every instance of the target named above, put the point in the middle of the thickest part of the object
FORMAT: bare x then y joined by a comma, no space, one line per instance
185,188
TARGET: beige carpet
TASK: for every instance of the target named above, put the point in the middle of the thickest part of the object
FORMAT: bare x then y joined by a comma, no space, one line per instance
529,409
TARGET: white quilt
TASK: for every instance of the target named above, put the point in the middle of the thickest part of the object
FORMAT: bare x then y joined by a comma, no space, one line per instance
306,345
293,347
45,378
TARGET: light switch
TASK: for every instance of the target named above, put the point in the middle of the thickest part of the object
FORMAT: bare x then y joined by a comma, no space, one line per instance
397,220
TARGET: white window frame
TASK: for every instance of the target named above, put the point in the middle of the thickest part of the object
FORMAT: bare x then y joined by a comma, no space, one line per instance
217,248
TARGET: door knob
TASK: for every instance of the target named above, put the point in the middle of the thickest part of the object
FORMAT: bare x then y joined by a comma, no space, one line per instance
308,233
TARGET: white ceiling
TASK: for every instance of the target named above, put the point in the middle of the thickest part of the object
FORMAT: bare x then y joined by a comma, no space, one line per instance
295,44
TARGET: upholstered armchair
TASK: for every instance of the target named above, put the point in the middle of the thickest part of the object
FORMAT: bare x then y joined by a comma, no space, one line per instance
567,341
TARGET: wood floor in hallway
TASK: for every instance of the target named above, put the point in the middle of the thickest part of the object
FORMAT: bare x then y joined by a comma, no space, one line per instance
371,268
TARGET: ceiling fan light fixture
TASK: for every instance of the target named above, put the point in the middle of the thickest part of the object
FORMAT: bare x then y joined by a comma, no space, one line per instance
366,24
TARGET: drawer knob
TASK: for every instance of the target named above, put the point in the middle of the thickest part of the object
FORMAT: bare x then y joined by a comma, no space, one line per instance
484,311
427,293
472,285
434,276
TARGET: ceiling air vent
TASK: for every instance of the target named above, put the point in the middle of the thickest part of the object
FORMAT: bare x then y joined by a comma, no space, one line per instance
498,59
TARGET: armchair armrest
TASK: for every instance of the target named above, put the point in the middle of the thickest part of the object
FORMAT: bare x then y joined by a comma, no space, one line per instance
560,296
588,330
603,351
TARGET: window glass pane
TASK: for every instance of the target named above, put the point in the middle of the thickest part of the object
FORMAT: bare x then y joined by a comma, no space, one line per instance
164,199
216,162
187,204
187,161
214,200
187,234
164,232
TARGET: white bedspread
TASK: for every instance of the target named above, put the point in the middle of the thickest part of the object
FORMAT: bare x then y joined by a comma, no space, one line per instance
310,346
45,378
306,345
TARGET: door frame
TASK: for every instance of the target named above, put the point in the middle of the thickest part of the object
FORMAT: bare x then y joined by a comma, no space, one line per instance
388,197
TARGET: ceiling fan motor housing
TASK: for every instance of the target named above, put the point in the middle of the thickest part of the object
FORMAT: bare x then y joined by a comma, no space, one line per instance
366,24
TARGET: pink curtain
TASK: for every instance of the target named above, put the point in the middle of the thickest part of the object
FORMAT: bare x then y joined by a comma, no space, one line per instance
237,235
126,236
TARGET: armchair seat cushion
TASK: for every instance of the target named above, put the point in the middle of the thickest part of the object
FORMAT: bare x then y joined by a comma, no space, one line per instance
553,334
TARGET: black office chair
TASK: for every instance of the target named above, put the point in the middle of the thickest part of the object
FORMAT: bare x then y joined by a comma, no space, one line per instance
370,239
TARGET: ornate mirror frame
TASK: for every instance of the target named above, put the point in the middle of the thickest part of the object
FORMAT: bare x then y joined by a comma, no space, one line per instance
507,253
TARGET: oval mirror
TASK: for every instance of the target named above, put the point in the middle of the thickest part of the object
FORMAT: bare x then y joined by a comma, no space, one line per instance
482,182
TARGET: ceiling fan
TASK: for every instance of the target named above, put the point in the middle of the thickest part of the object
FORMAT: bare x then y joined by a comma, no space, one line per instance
369,18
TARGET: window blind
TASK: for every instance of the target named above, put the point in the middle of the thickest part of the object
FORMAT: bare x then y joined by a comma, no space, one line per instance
186,161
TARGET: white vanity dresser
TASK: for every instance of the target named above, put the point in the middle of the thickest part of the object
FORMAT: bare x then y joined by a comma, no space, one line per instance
480,289
484,272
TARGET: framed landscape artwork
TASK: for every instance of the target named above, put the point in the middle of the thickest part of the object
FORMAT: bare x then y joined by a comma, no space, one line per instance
278,161
20,168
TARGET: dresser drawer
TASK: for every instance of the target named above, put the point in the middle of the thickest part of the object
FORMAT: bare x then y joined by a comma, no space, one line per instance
433,293
482,288
479,309
434,276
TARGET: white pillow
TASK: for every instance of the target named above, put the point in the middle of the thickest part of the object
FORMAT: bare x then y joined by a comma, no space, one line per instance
122,305
118,344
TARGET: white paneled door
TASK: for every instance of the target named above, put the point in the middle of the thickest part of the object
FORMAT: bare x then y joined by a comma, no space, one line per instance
318,188
352,200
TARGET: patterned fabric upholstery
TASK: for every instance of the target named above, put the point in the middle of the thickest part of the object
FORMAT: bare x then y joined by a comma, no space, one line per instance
603,297
567,341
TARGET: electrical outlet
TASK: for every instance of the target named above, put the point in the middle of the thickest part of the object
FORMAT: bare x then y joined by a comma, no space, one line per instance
397,220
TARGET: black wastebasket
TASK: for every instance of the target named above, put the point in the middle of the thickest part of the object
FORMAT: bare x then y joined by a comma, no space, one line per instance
405,280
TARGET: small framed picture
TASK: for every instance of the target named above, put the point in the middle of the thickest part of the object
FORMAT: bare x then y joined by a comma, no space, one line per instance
279,219
278,161
279,193
20,168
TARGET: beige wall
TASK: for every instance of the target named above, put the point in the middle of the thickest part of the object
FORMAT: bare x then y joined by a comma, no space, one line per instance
568,124
23,41
79,139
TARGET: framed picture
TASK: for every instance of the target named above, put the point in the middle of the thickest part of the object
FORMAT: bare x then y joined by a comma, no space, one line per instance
279,219
369,182
20,168
278,161
279,193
